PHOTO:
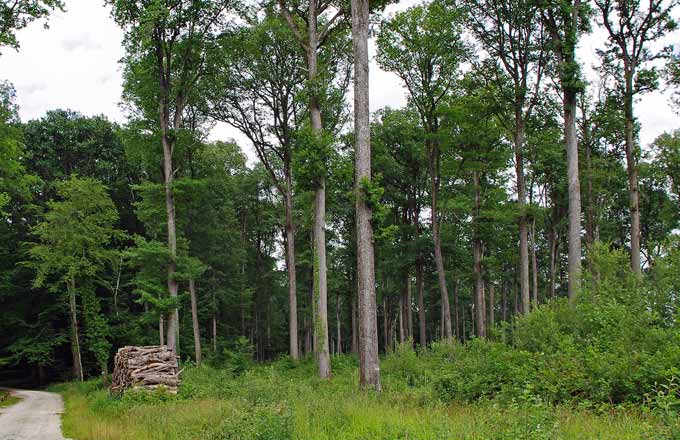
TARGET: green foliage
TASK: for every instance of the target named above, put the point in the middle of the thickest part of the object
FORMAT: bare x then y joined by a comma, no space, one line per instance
312,156
16,15
285,400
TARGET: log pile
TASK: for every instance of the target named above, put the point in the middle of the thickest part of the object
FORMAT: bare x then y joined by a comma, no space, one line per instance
145,368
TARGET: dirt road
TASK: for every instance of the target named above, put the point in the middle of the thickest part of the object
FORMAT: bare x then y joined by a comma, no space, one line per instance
36,417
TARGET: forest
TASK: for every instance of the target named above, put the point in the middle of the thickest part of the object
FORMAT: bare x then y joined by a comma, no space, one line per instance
497,259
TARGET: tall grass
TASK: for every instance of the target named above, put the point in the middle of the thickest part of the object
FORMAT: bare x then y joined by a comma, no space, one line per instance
286,401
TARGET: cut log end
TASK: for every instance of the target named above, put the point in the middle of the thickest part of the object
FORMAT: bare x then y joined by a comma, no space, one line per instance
145,368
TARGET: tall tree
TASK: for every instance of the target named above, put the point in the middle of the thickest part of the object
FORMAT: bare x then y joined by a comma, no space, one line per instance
258,92
322,19
423,46
511,31
72,246
565,21
632,27
369,364
167,44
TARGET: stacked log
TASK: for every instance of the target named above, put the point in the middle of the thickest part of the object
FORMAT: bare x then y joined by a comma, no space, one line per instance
145,368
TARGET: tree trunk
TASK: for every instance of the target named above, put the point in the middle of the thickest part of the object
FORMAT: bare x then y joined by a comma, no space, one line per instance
355,327
338,322
161,329
168,178
492,303
521,202
194,321
553,238
422,327
214,333
290,266
75,338
477,250
571,142
438,258
386,325
369,364
504,302
402,329
590,218
408,309
456,316
319,231
631,162
534,265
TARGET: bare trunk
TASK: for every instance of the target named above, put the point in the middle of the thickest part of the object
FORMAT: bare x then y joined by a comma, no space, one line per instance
290,266
504,302
168,176
75,338
369,364
386,325
492,304
456,316
161,329
553,260
408,308
571,143
438,258
633,191
534,265
214,333
422,325
194,321
355,327
319,229
338,322
521,202
477,263
402,330
590,217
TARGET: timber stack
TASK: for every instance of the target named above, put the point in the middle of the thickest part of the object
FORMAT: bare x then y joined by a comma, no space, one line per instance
145,368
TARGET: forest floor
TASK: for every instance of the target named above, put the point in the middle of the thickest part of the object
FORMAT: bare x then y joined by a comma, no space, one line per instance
286,401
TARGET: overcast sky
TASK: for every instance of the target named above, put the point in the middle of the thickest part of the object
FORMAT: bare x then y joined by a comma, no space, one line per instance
74,65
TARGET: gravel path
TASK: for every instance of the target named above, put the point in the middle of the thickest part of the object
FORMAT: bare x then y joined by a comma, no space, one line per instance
35,417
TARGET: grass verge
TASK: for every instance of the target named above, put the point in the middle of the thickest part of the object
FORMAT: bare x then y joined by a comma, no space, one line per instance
6,399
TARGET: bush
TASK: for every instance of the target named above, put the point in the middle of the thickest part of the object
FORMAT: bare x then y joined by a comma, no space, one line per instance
608,348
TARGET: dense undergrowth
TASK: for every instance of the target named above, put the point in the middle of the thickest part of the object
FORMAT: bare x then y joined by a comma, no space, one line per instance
606,367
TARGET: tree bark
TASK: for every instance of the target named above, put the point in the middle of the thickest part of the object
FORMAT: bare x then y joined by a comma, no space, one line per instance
355,327
408,308
292,276
369,365
320,276
436,237
422,325
161,329
338,322
521,202
168,177
194,321
534,265
75,338
477,250
632,171
571,142
456,316
492,303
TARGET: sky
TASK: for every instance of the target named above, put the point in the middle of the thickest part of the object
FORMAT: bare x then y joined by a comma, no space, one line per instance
74,65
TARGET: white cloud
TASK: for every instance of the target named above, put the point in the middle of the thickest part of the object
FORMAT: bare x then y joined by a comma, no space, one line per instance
74,64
